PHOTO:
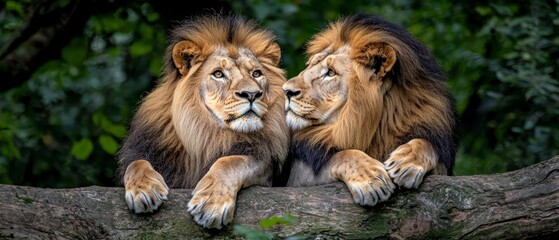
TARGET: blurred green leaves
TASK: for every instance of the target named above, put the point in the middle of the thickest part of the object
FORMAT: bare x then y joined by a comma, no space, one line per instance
140,48
75,52
101,121
267,223
108,143
63,127
15,6
82,149
519,90
287,219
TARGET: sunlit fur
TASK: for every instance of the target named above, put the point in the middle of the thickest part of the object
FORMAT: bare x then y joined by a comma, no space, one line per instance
188,120
379,113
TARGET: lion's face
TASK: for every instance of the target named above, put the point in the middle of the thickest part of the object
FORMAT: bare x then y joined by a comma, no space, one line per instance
231,81
332,77
234,90
318,93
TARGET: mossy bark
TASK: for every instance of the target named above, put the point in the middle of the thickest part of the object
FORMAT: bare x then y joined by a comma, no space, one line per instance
515,205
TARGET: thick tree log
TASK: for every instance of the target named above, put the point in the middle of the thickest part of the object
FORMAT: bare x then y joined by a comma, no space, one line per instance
515,205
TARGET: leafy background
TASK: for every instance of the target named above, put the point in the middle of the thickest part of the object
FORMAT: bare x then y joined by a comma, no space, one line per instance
62,125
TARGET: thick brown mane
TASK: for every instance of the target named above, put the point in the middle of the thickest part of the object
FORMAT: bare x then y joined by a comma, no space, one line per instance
174,129
412,102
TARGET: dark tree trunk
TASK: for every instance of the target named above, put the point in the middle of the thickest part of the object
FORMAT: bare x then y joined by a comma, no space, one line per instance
522,204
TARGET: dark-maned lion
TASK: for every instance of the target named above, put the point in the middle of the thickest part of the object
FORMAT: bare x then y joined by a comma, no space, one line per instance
371,93
214,123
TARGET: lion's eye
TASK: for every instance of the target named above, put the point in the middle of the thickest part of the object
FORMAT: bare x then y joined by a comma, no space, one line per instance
256,74
330,73
218,74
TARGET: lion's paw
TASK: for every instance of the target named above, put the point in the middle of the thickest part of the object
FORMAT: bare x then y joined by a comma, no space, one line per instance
145,191
408,164
212,204
369,184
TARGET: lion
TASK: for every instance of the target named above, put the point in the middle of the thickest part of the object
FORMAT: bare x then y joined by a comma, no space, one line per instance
370,109
214,122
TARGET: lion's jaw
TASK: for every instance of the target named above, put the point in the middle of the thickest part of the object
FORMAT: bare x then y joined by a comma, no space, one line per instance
316,96
249,120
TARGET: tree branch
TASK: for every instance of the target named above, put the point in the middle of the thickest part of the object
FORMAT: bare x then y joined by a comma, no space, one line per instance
519,204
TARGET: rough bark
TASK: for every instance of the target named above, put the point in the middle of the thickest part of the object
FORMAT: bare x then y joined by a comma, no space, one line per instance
521,204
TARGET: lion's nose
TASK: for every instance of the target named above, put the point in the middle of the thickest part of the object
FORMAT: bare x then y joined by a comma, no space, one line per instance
249,95
290,88
291,93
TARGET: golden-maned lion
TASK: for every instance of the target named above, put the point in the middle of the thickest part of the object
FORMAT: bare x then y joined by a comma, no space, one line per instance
214,123
371,93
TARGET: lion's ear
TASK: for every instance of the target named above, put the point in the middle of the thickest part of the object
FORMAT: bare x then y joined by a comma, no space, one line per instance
184,54
380,57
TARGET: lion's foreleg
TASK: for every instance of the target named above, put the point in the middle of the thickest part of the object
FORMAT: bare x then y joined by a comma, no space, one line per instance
145,188
408,163
213,200
365,177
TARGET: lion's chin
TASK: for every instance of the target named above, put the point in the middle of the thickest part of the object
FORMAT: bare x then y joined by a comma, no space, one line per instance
296,122
247,123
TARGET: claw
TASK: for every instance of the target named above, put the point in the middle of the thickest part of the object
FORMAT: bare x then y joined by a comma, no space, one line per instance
360,198
129,200
224,215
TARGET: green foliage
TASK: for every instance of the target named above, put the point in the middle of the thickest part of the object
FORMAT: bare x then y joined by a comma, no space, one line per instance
108,144
13,18
274,220
518,90
63,127
266,223
82,149
16,7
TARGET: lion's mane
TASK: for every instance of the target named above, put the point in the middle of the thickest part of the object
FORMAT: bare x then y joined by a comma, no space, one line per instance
183,154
